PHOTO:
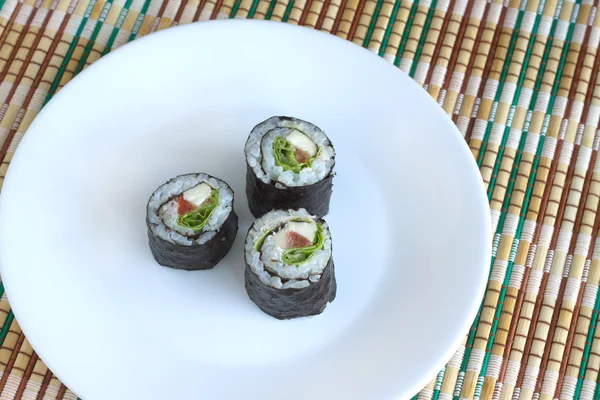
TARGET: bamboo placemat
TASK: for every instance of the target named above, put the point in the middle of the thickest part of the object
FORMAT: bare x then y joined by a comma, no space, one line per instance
520,80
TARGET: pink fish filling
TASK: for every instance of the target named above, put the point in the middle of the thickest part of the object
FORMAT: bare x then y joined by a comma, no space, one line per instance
296,240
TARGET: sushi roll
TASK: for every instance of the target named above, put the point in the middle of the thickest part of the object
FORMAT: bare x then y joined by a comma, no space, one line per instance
289,166
191,222
289,264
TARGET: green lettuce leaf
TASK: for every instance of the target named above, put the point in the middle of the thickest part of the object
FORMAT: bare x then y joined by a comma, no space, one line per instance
301,254
259,242
195,220
285,156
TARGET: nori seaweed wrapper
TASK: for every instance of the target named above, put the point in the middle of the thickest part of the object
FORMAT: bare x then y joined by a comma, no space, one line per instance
292,303
195,256
264,197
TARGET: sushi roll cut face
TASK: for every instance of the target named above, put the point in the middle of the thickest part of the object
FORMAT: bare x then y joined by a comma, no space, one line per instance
289,152
190,208
288,249
289,265
191,222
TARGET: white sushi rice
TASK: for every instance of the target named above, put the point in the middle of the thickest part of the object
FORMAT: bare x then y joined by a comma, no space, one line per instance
267,262
259,152
162,210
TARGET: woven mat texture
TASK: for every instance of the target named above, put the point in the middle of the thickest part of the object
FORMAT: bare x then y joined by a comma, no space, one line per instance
520,80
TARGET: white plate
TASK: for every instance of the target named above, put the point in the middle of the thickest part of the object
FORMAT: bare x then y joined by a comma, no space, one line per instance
409,219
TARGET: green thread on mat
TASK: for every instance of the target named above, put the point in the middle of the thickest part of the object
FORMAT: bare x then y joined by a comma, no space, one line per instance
478,387
501,81
515,168
415,62
373,22
532,177
553,94
521,79
527,196
69,54
588,345
88,47
471,338
440,379
139,21
235,8
390,26
468,348
269,13
6,326
288,11
2,3
406,33
539,149
459,381
438,384
117,27
253,8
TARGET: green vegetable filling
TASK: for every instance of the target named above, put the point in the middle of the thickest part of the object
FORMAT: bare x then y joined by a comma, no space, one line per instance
285,156
197,219
302,254
259,242
298,255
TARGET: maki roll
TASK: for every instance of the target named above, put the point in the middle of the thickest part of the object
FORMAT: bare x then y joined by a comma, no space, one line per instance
289,265
289,166
191,222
